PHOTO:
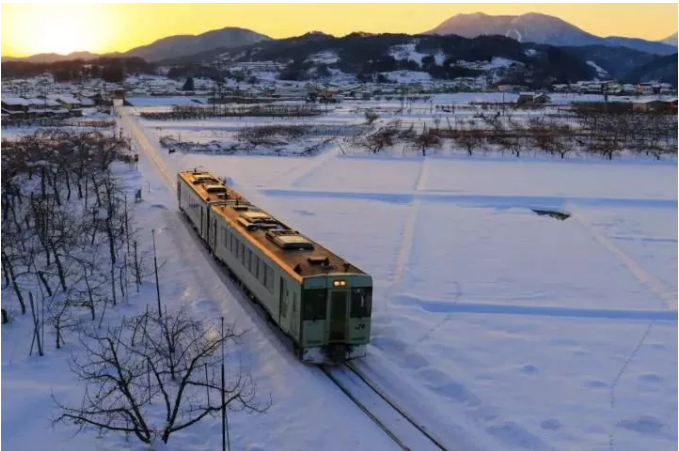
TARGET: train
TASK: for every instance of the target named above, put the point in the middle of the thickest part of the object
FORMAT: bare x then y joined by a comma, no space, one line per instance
322,302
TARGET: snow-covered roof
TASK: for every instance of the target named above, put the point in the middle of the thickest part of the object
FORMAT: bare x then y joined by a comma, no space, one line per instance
15,101
644,100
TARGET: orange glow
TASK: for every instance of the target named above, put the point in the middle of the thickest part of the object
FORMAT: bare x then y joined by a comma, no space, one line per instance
63,28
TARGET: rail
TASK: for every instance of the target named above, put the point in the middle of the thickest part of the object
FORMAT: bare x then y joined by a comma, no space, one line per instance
384,412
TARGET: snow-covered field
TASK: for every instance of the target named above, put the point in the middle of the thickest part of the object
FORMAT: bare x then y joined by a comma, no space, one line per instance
496,328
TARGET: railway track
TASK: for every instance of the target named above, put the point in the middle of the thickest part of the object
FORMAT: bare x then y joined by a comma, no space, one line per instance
384,412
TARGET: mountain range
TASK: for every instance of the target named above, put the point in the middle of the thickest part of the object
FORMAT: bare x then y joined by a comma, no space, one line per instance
543,29
178,46
531,27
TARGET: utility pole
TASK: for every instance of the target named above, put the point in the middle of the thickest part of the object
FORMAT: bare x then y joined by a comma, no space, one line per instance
226,441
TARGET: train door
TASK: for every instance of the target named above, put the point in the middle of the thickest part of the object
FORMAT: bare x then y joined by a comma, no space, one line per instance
294,316
213,236
337,331
200,229
283,304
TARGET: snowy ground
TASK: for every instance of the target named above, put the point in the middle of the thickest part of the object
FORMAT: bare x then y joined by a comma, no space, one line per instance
502,329
497,328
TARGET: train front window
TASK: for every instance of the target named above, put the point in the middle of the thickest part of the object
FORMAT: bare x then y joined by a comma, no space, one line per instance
361,302
314,303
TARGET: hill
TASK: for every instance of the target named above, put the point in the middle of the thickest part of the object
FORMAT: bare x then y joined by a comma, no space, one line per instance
616,61
185,45
662,69
539,28
168,47
443,57
671,40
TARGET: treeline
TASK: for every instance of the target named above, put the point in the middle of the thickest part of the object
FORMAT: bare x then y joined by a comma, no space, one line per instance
587,132
111,70
180,113
68,248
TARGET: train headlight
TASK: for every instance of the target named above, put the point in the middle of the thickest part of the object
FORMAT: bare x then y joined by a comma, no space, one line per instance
339,283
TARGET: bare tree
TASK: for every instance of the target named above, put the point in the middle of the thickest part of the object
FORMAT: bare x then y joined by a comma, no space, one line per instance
470,139
370,117
172,360
428,139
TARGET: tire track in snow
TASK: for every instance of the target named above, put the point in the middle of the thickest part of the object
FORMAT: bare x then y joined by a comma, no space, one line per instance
408,233
668,299
299,174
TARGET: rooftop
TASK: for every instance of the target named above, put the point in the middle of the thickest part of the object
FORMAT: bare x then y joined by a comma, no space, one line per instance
300,255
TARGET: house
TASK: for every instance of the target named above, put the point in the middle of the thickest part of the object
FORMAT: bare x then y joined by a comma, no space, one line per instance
525,98
541,98
15,104
648,105
65,100
531,98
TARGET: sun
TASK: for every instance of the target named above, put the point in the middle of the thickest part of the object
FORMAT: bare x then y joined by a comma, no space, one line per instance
65,28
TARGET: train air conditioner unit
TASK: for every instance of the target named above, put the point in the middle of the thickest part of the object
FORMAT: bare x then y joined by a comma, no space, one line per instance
215,189
253,220
289,240
198,179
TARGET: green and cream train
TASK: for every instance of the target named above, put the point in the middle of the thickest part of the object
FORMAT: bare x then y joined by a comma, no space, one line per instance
322,302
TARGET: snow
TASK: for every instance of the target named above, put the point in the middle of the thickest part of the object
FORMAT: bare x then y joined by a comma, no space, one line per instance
167,101
407,76
599,70
328,57
406,52
496,328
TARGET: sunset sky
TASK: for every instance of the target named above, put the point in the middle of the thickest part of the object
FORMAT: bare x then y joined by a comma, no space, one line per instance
62,28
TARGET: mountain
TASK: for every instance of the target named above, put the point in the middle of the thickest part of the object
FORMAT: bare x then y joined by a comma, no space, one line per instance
531,27
663,69
54,57
169,47
541,29
498,58
671,40
185,45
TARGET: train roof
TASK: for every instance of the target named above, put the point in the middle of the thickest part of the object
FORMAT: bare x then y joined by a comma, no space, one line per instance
298,254
206,185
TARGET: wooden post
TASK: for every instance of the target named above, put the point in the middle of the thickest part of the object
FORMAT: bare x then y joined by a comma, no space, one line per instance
155,266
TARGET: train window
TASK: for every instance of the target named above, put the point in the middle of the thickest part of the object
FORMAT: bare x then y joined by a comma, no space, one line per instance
269,278
314,304
261,275
254,264
361,302
249,260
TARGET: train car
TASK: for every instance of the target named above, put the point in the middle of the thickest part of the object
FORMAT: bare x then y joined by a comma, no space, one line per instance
322,302
194,196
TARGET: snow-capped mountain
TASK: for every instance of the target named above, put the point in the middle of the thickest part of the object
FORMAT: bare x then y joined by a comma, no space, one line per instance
538,28
671,40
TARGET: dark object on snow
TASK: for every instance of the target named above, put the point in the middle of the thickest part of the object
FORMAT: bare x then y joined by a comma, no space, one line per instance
188,85
5,317
554,214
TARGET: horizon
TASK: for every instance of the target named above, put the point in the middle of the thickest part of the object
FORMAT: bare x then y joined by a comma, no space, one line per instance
64,27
